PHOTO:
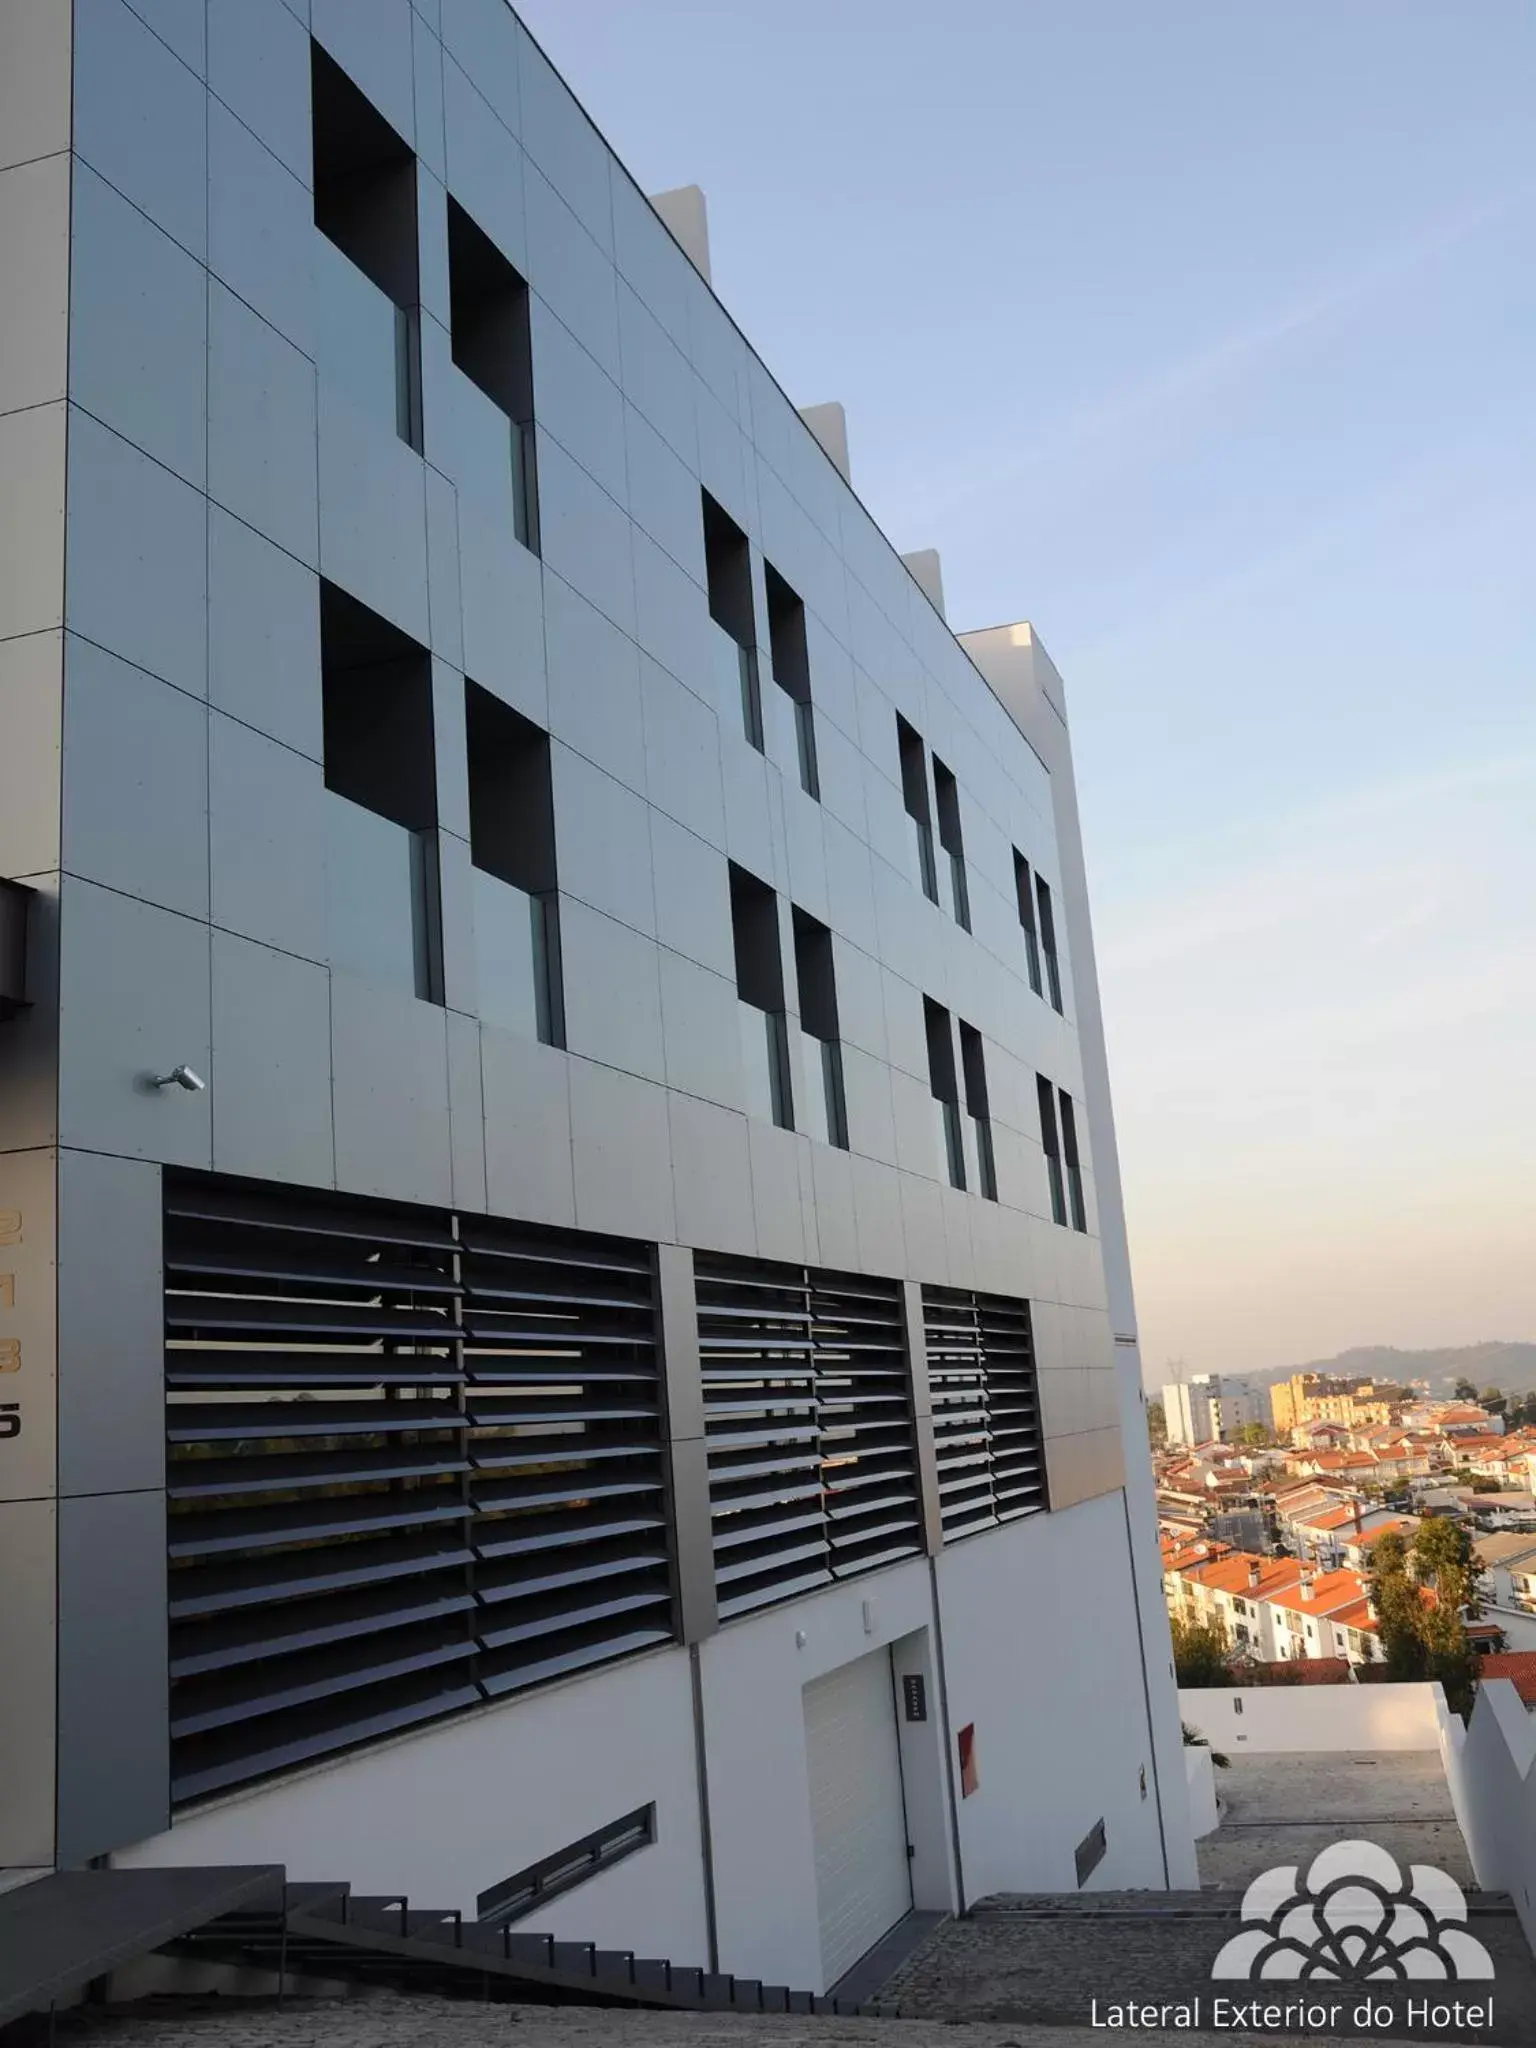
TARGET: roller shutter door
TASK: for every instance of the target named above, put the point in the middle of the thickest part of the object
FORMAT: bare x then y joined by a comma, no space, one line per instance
863,1883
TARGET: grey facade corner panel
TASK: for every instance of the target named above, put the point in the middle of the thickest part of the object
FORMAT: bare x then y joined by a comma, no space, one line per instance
28,1647
114,1748
916,1345
111,1343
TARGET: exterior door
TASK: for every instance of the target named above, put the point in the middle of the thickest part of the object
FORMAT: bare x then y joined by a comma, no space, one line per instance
858,1826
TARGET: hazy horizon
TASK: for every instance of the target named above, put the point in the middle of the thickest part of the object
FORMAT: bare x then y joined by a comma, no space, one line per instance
1201,337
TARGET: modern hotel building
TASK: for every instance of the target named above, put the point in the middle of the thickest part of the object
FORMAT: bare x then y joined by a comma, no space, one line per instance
563,1299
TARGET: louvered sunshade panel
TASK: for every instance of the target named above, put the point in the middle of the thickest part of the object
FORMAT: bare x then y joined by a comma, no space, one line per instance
986,1424
808,1427
570,1525
366,1426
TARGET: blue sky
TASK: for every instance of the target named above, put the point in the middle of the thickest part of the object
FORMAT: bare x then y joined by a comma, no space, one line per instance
1204,336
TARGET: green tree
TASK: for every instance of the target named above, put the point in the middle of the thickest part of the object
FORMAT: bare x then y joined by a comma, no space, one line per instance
1465,1391
1443,1563
1257,1434
1157,1425
1396,1601
1493,1400
1200,1652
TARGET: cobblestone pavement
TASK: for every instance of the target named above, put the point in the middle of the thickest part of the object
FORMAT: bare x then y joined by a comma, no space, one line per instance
393,2020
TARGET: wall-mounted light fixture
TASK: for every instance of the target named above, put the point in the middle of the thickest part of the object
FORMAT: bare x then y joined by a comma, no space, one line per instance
15,899
180,1077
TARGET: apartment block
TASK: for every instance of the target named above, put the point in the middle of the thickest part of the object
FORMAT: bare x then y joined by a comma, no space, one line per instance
1211,1408
563,1294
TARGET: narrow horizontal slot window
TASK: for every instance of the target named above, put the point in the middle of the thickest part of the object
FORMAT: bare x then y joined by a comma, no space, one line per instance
541,1883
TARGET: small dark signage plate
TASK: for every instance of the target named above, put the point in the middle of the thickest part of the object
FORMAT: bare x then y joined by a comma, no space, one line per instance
914,1693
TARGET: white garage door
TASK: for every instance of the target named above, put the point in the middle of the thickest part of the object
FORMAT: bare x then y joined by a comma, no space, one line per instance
863,1883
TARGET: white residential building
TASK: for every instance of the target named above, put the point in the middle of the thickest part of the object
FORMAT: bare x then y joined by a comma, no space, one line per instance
1211,1408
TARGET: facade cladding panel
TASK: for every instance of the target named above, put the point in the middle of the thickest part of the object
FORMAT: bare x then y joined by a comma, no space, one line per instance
459,623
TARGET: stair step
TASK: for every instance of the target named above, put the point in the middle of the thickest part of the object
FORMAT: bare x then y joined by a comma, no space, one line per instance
801,2001
614,1962
687,1983
776,1998
533,1951
715,1989
382,1913
747,1994
320,1901
425,1925
575,1958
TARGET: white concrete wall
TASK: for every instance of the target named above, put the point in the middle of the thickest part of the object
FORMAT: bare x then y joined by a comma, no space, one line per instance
1200,1776
447,1813
1034,1619
1314,1717
1490,1766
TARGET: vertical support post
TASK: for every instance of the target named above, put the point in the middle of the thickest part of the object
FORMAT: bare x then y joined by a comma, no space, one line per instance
683,1420
916,1345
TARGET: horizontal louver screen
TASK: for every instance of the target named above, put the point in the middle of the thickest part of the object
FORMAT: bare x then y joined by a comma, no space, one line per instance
986,1410
408,1470
808,1426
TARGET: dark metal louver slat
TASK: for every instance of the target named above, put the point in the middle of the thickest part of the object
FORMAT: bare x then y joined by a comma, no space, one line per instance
413,1462
981,1373
808,1428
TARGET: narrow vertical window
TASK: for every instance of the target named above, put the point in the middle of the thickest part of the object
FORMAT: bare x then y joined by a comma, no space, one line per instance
760,1006
1024,889
493,347
728,566
367,290
512,848
978,1110
1073,1161
380,770
822,1099
1048,940
914,791
946,1093
948,796
1052,1143
792,673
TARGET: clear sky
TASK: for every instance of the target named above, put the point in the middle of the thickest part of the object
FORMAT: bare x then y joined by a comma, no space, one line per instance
1202,333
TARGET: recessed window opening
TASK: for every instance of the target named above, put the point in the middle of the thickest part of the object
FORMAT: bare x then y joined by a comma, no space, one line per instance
728,566
914,791
493,346
1050,1139
977,1107
1073,1161
792,671
512,848
1024,889
376,686
948,797
945,1089
760,989
824,1100
365,205
1048,940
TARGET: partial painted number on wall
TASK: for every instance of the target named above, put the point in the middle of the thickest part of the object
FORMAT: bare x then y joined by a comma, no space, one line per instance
10,1419
10,1226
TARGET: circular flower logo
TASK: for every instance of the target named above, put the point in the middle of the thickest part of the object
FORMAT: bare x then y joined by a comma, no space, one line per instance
1354,1919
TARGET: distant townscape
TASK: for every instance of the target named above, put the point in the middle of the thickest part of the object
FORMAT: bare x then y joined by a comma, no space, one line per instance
1334,1527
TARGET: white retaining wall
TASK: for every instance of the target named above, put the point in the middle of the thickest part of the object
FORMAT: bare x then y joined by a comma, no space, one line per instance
1490,1766
1200,1776
1314,1717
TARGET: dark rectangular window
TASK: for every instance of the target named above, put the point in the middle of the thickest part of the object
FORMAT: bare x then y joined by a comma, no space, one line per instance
512,848
1048,940
792,673
534,1888
1073,1160
978,1109
365,206
1024,889
493,346
822,1098
946,1092
948,795
728,566
376,688
914,793
760,990
1051,1141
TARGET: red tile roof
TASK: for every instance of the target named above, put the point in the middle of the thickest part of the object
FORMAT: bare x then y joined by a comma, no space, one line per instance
1520,1665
